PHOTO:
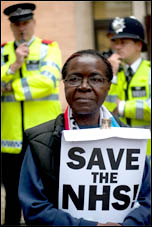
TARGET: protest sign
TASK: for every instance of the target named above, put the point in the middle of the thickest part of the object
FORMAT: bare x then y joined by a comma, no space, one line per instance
101,172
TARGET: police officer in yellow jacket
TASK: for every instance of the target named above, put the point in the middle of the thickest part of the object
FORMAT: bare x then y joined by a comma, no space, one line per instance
30,71
130,93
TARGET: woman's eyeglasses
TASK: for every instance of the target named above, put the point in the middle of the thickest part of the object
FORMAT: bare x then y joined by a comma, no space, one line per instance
76,80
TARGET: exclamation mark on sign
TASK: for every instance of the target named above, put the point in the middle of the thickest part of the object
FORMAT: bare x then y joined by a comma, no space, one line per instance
135,193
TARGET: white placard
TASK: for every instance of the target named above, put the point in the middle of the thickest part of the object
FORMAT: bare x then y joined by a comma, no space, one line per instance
100,175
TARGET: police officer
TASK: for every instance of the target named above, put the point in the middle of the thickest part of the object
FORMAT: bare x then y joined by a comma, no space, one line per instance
130,93
30,71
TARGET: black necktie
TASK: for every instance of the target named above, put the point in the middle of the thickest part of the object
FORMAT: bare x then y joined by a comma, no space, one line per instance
129,74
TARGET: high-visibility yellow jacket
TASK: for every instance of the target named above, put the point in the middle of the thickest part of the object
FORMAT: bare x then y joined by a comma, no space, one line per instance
35,96
137,97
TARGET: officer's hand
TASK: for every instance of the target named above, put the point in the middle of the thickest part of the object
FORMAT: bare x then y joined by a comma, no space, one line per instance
22,51
109,224
115,60
3,89
7,88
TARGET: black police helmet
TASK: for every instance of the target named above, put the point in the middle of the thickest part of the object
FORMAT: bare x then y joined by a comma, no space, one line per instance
20,12
129,27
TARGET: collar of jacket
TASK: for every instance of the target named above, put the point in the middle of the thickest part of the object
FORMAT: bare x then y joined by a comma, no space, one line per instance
59,125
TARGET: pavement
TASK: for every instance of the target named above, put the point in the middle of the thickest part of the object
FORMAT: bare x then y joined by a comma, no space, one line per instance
3,207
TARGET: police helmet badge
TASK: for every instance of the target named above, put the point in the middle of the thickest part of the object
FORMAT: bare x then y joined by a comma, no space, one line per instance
118,24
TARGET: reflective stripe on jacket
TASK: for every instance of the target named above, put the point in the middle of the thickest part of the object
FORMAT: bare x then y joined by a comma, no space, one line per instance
35,96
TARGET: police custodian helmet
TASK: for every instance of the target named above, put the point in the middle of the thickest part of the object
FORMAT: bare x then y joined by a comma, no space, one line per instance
128,27
20,12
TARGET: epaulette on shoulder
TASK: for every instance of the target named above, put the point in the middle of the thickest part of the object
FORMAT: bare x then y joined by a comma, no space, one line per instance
3,44
47,42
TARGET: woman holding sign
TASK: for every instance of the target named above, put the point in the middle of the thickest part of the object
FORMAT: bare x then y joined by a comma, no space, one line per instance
87,78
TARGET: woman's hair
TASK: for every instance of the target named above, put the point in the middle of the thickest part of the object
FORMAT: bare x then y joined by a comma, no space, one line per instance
109,72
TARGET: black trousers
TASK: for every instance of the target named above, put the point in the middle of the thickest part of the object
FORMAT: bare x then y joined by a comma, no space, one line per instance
11,165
